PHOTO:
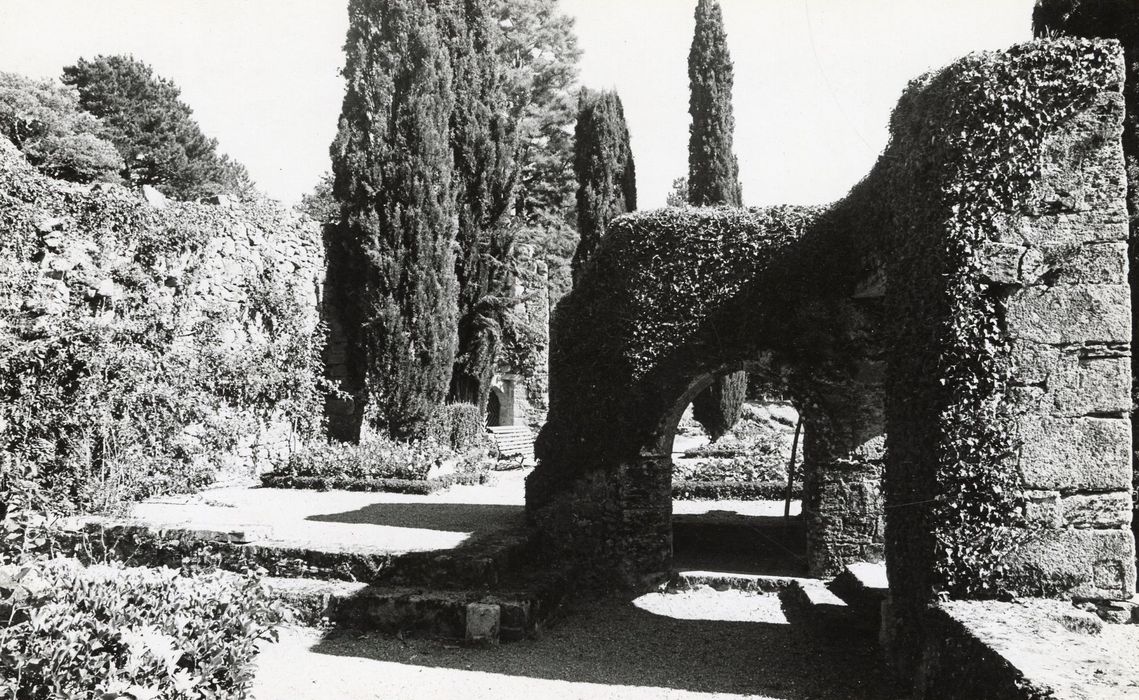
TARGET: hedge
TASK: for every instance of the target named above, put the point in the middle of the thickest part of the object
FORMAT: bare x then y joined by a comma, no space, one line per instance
421,487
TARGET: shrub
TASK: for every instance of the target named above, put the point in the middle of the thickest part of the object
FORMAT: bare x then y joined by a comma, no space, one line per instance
106,630
374,458
462,426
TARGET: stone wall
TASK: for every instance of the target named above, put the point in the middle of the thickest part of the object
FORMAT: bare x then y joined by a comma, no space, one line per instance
228,278
960,323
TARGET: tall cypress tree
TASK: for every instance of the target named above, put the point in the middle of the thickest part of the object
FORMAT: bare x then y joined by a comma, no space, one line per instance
392,163
713,177
483,143
606,174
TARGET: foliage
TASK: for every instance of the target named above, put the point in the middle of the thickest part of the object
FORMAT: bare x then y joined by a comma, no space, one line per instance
539,52
393,178
43,119
713,177
319,204
483,145
603,165
461,426
993,112
718,408
678,195
154,130
108,631
378,457
748,463
129,392
704,489
713,173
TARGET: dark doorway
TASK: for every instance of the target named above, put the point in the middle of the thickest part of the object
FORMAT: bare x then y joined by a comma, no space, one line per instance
493,410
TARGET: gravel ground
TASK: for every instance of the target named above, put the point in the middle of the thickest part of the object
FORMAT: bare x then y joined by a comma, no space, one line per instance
697,644
381,521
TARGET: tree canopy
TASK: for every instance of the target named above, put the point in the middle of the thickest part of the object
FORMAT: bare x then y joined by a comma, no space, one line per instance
603,164
153,129
44,120
713,173
393,168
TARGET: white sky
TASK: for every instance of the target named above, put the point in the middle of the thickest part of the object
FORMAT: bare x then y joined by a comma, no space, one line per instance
815,79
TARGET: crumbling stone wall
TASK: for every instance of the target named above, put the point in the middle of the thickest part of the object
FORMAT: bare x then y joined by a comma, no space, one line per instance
960,323
233,278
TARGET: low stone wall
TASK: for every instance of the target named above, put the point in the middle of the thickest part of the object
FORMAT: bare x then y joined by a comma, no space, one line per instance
1024,651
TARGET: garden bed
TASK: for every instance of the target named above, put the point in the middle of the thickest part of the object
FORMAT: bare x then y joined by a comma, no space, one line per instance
418,467
419,487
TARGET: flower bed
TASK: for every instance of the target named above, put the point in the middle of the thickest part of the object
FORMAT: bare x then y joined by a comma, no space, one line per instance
380,464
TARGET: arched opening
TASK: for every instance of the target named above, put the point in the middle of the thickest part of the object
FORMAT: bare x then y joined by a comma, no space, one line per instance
494,409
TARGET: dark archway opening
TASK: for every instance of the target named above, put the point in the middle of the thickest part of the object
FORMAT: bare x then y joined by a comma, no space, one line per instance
493,409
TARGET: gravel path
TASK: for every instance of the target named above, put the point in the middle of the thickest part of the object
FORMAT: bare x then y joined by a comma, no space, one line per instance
696,644
380,521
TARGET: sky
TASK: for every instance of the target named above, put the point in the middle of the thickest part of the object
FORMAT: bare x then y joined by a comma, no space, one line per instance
815,80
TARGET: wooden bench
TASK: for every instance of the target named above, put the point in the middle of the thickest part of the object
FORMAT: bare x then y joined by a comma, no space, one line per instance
513,442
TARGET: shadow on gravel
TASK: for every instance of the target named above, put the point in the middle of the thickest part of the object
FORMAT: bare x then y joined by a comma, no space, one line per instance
730,542
614,643
448,517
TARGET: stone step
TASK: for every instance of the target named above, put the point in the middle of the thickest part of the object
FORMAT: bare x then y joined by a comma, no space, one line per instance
474,616
485,564
816,602
723,581
863,586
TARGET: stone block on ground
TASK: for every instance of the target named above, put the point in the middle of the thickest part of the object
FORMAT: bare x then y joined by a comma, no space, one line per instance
483,622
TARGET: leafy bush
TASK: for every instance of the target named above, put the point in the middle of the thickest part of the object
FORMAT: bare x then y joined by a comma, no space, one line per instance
106,631
462,426
373,458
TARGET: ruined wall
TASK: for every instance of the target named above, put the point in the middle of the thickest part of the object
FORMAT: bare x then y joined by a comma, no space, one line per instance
959,322
204,310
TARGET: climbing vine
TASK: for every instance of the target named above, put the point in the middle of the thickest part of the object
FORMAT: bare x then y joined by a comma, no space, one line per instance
994,111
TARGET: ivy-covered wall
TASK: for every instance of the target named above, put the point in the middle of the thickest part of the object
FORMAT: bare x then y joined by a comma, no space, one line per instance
150,346
960,321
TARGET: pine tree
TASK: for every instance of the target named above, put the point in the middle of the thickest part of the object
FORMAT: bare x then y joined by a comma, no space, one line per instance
153,129
606,174
392,163
713,177
483,143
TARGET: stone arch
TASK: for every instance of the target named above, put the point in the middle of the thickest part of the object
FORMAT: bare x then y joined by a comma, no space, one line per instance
959,323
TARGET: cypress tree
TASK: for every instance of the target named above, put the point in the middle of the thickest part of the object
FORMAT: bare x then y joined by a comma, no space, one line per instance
392,164
713,173
483,143
713,178
606,174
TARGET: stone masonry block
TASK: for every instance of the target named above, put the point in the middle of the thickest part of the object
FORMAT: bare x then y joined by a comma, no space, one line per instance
483,621
1099,510
1075,454
1042,509
1074,381
1086,563
1081,313
1092,263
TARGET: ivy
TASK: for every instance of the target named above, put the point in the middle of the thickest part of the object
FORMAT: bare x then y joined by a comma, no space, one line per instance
993,112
